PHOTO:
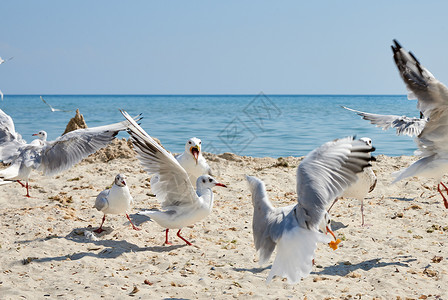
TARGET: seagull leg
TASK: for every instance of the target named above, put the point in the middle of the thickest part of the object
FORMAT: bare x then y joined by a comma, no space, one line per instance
133,226
99,230
335,200
27,190
362,212
446,189
166,237
18,181
178,234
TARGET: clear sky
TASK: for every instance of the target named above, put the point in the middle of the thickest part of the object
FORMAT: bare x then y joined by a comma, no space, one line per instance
211,47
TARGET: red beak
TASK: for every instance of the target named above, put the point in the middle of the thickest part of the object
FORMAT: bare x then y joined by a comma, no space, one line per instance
34,134
123,182
220,184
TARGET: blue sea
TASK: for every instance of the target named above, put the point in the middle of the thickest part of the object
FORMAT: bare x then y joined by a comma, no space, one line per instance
256,125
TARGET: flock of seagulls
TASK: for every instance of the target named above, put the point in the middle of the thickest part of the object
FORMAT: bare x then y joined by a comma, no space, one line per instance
183,184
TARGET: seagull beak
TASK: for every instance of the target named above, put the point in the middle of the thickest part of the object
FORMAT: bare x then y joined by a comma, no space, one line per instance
34,134
123,182
195,152
220,184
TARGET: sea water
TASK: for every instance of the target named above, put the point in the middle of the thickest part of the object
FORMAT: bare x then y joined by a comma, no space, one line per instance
256,125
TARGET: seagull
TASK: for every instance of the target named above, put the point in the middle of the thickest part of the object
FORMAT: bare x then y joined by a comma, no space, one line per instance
193,161
321,177
181,204
3,61
404,125
431,130
366,183
116,200
49,157
54,109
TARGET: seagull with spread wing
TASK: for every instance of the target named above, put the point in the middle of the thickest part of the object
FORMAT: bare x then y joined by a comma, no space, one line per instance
322,176
49,157
182,205
52,108
431,130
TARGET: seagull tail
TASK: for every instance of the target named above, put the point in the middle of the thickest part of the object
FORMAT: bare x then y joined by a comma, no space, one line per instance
10,172
295,254
417,168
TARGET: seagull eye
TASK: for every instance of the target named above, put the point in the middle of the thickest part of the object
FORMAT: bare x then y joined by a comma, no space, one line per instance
209,180
203,180
189,142
200,143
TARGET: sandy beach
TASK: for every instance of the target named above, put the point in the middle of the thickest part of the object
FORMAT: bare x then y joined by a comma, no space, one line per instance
47,251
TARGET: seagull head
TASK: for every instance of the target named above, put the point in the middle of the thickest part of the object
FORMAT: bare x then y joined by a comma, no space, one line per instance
193,147
120,180
325,224
41,135
367,140
207,181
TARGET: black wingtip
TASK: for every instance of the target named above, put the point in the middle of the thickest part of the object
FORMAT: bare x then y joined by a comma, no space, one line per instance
415,58
397,44
372,158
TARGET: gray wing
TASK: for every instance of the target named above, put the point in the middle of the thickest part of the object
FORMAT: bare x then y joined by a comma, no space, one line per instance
269,222
173,187
101,202
10,140
404,125
421,84
324,175
72,147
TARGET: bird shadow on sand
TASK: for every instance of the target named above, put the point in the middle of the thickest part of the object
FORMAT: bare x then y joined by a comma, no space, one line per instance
110,249
341,269
252,270
401,199
335,225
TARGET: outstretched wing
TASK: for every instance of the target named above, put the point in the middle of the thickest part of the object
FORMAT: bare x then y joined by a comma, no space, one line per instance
324,175
70,148
421,84
173,187
10,140
404,125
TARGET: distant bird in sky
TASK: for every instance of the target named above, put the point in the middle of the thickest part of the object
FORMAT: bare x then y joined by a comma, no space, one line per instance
49,157
52,108
3,61
182,205
116,200
322,176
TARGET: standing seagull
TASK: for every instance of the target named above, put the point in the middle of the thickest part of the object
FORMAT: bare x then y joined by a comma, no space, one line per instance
52,108
366,183
116,200
182,205
49,157
321,177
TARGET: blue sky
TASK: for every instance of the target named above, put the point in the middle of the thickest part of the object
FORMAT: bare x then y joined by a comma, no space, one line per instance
211,47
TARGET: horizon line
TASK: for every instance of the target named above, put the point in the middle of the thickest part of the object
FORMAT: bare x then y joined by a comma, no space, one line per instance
198,95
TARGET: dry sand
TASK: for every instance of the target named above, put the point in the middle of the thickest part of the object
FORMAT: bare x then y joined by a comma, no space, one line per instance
45,253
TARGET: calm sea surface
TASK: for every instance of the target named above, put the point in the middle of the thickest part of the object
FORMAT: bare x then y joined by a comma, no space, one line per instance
257,125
